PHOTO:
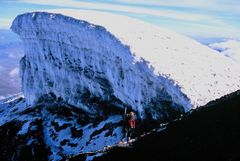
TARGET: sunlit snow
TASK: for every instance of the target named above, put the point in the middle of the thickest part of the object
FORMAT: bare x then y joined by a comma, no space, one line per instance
111,55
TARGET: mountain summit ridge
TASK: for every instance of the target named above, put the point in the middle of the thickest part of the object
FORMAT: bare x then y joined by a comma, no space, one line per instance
91,56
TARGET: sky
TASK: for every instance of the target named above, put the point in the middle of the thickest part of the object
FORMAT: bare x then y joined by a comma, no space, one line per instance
195,18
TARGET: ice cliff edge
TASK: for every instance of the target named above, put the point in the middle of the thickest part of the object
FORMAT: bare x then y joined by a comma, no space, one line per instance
85,56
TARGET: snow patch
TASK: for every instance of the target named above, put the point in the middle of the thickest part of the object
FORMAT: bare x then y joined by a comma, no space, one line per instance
25,128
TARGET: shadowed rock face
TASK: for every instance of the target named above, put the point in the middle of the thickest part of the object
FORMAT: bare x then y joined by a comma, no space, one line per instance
209,133
23,147
53,130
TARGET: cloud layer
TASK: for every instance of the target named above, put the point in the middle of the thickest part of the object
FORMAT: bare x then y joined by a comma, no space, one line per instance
121,8
11,50
230,48
195,18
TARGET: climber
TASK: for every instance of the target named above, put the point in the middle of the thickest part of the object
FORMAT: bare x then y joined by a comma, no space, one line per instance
132,124
129,125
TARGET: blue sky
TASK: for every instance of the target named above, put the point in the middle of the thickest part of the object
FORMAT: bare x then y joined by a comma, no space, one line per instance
196,18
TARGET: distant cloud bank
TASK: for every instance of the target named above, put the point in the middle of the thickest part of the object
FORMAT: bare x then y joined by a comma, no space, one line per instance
230,48
190,17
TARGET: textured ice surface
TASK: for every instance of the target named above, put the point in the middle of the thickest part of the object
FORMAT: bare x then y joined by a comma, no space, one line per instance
88,54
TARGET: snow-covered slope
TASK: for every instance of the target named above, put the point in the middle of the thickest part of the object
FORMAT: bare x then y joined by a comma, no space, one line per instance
101,56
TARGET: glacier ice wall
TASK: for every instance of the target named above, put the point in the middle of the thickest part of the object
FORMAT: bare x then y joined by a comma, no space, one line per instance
82,56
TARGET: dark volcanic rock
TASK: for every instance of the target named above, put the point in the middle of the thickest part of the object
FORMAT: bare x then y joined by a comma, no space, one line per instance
210,133
52,130
28,147
33,133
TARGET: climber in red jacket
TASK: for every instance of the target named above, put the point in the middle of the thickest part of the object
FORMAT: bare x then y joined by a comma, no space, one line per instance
132,125
129,125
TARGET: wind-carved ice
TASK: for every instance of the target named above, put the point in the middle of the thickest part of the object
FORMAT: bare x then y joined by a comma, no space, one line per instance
83,56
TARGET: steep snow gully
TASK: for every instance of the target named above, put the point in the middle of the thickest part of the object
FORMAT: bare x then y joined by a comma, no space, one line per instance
94,57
